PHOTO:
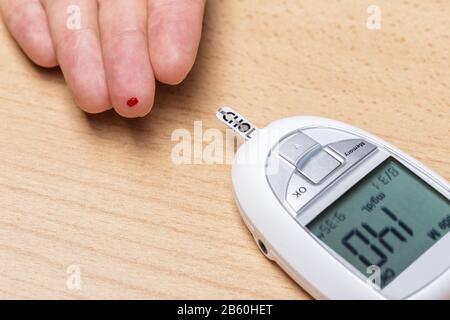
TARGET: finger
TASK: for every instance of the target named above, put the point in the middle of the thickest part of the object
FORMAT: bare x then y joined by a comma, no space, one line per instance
129,73
74,27
175,29
27,22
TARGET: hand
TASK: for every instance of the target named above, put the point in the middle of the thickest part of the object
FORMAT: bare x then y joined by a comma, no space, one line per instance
119,50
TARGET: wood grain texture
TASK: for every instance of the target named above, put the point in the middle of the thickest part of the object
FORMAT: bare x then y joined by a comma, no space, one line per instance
101,192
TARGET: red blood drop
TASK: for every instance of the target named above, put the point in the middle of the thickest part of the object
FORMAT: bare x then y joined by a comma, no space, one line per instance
132,102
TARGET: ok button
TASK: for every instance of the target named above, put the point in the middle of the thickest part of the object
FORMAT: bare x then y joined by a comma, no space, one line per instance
299,192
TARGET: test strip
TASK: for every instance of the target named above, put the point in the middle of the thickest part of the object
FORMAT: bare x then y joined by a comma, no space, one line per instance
237,122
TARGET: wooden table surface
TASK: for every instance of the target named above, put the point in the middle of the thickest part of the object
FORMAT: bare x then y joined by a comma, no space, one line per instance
102,194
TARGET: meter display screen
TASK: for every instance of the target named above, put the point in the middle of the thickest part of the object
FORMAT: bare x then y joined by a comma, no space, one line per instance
388,219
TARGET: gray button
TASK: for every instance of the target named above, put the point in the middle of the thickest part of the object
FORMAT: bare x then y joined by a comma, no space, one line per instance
318,167
294,147
299,192
352,150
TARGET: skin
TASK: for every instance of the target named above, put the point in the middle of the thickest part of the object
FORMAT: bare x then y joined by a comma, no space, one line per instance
121,48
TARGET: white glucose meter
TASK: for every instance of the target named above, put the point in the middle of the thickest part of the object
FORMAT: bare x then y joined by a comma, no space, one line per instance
345,214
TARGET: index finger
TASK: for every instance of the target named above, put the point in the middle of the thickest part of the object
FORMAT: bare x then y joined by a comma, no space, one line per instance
27,22
79,52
